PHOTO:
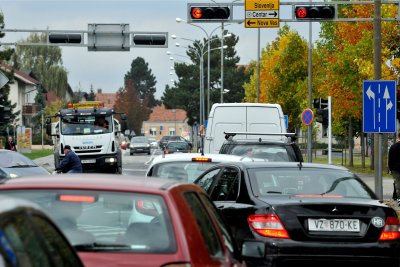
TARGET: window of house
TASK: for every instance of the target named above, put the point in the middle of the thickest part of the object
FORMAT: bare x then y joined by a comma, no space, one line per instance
172,131
153,131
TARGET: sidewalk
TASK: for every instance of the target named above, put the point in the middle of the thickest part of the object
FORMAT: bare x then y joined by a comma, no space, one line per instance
46,162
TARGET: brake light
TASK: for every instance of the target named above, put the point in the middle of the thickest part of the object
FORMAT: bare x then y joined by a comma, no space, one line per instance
391,230
72,198
201,159
268,225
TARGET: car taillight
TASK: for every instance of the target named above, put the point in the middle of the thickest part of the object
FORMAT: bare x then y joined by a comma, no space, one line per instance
391,230
268,225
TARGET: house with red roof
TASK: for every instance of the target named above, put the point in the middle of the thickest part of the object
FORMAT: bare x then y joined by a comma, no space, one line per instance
163,121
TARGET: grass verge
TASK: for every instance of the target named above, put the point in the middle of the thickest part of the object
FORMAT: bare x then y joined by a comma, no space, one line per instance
357,168
39,153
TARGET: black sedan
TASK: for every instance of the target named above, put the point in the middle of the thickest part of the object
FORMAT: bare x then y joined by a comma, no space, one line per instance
307,214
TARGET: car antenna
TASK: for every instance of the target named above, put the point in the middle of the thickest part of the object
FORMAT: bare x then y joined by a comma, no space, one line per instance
300,165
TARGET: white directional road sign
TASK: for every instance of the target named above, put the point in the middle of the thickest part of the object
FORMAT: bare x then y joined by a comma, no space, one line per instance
379,106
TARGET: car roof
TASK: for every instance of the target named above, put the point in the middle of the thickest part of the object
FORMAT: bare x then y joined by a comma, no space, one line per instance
189,156
284,164
89,181
255,141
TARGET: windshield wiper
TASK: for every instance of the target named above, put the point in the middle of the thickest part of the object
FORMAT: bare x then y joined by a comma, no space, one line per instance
22,166
101,246
274,192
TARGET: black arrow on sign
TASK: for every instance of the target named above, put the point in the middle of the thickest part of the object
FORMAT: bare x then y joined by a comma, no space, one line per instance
249,23
273,13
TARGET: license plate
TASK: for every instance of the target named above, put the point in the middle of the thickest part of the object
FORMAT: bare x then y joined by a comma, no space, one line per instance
88,161
334,225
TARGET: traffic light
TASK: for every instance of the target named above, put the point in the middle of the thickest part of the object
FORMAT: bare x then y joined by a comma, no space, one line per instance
5,114
147,40
68,38
314,12
209,13
320,103
322,117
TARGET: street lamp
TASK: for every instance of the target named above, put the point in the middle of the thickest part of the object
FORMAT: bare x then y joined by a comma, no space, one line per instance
200,53
179,20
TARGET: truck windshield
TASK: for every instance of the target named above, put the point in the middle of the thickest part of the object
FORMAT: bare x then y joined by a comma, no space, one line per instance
85,125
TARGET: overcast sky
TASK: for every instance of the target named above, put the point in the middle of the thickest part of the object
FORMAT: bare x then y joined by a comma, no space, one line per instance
106,70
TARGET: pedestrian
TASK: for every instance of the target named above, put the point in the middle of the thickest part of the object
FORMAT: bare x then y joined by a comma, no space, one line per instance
10,145
394,166
71,162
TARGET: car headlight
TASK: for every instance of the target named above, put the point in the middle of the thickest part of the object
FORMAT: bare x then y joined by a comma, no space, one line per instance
147,145
111,160
13,175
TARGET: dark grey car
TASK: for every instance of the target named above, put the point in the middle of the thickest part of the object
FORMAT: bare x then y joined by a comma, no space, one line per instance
139,144
14,165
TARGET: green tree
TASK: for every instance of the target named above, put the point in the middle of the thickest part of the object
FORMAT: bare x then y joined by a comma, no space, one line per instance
92,95
280,82
136,109
44,61
5,55
143,80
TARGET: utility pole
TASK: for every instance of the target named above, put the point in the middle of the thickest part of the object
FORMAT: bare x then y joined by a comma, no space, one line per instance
377,76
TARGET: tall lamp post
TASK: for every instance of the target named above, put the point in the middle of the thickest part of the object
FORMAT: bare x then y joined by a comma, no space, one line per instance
208,59
200,53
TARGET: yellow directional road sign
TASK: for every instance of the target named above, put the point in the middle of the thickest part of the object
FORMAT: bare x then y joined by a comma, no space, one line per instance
261,13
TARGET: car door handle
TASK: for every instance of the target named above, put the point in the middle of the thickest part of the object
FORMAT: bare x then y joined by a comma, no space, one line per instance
220,207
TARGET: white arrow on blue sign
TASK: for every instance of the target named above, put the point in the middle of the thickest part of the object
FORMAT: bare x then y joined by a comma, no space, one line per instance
379,106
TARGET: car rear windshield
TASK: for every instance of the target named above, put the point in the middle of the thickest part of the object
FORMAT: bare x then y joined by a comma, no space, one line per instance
186,171
308,182
177,145
109,221
264,151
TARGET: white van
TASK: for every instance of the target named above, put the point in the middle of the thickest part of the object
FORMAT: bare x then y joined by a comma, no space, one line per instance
243,117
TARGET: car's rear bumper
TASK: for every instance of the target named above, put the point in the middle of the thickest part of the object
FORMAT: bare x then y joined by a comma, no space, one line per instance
140,150
289,252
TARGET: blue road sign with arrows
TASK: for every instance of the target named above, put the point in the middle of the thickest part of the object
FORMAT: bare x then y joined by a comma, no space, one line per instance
379,106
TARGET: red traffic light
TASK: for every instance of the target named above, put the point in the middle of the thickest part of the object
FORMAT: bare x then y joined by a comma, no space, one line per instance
206,13
196,13
314,12
301,12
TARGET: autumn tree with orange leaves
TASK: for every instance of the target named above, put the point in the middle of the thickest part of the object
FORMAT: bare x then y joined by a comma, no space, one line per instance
128,101
344,58
283,75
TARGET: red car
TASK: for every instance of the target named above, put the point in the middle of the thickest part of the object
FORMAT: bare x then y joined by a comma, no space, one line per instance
135,221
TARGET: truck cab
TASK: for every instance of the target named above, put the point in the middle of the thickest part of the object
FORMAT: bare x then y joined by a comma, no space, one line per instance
92,132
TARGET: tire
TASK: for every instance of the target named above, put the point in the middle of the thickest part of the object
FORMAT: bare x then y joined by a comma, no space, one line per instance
131,154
